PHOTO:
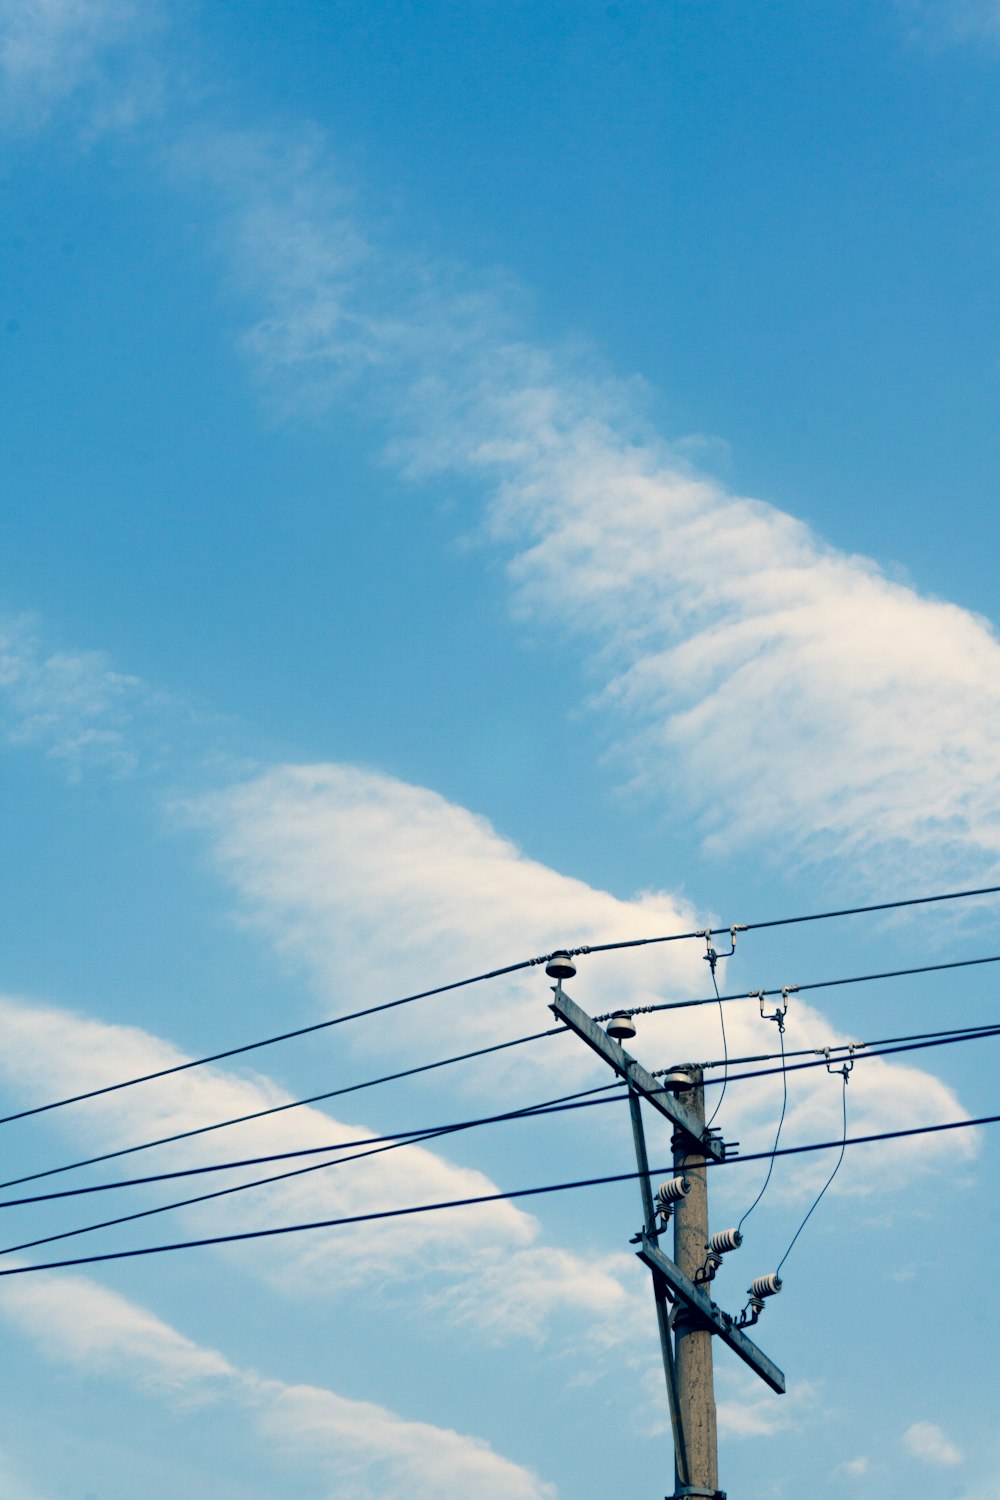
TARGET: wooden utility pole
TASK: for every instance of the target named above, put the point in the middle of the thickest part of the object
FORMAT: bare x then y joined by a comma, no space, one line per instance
687,1317
693,1336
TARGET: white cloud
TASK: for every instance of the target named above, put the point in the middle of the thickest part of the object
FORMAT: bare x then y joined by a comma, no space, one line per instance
70,704
51,50
378,888
76,1322
926,1441
863,714
855,1467
363,1449
375,1453
747,1410
950,22
493,1246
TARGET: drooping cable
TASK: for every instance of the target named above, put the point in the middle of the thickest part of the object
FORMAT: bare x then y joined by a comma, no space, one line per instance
275,1109
578,1100
725,1047
268,1041
819,916
817,984
870,1050
526,963
916,1042
987,1028
819,1196
499,1197
777,1134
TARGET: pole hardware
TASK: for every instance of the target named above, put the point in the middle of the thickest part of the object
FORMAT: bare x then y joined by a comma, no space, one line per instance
688,1320
719,1244
846,1064
781,1011
560,966
621,1027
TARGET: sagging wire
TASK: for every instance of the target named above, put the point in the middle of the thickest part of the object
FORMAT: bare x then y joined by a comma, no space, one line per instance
712,956
778,1017
845,1073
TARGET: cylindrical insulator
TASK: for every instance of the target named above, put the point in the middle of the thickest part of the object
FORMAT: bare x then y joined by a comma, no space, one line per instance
671,1192
765,1286
725,1240
560,966
621,1027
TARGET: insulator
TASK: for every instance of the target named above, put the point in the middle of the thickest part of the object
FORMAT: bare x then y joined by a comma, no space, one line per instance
671,1192
765,1286
560,966
676,1081
621,1027
725,1240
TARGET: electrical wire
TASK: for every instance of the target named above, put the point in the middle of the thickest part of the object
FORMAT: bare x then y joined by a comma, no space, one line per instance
794,989
819,1195
986,1029
777,1136
939,1038
526,963
933,1039
408,1138
403,1137
820,916
275,1109
480,1198
870,1051
725,1049
268,1041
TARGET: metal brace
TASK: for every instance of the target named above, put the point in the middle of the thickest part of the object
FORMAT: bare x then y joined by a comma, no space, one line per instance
846,1067
780,1012
712,956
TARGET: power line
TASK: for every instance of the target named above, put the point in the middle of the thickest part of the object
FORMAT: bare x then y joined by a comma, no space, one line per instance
937,1038
869,1051
403,1137
268,1041
352,1088
820,916
794,989
408,1138
526,963
480,1198
986,1029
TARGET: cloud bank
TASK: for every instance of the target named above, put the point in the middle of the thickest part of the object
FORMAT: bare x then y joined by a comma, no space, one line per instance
362,1449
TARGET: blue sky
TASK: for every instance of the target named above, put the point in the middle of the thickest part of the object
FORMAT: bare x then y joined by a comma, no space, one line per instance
477,477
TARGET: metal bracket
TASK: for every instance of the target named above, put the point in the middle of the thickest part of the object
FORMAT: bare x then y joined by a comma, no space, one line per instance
724,1325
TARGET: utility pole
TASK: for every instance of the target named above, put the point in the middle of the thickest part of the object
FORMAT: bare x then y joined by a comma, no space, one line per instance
693,1337
687,1318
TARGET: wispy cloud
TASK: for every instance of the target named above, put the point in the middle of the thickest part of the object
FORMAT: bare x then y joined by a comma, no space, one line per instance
950,22
55,51
863,713
72,705
362,1448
